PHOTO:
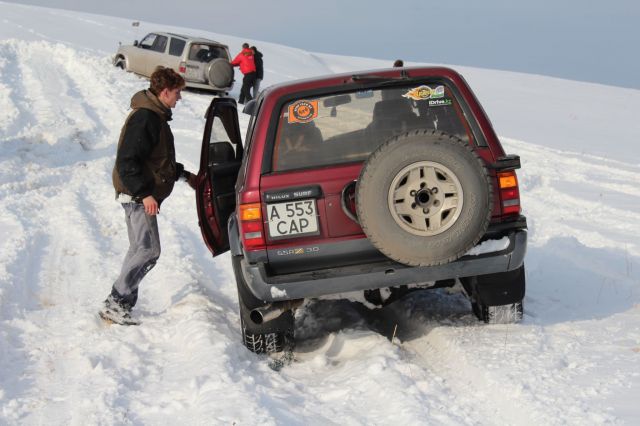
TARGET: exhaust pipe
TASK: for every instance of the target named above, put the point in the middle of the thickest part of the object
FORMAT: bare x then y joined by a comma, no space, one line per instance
273,310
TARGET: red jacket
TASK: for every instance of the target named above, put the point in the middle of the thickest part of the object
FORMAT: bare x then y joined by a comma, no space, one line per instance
245,60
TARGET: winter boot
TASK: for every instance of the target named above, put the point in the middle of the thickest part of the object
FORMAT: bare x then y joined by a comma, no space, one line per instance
117,313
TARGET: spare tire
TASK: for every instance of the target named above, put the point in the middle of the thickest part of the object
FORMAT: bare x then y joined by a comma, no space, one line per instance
220,73
424,198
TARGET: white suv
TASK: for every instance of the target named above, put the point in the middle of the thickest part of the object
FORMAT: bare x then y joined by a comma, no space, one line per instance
203,63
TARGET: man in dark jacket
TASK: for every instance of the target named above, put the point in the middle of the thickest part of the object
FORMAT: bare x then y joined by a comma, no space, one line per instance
143,176
257,59
244,59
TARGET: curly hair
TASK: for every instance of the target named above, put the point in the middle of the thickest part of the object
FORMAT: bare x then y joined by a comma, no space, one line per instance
165,78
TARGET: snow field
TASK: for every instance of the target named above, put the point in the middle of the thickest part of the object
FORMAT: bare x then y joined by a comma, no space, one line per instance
574,360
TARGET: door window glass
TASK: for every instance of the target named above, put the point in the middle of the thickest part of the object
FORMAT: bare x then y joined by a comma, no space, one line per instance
160,44
148,41
176,46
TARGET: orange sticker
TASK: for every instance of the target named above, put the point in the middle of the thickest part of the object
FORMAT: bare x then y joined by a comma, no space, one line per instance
303,111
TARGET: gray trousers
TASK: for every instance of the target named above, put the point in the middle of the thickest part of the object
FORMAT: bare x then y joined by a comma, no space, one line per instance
256,87
144,251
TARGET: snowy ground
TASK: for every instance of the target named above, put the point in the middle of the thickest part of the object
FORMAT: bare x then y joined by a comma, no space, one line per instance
574,360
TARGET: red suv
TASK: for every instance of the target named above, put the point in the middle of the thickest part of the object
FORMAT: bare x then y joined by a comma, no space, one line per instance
382,181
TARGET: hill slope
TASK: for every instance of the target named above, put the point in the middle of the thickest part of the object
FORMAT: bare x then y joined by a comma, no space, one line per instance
574,359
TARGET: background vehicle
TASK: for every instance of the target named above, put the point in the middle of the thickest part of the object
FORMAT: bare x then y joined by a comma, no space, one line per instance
381,181
203,63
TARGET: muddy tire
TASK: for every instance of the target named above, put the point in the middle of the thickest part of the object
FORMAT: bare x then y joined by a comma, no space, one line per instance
424,198
268,337
121,63
220,73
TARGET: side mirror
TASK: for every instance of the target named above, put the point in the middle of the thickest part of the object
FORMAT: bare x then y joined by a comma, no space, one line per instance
135,43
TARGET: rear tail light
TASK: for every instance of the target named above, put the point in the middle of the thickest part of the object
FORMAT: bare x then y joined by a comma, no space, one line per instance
509,192
182,68
251,226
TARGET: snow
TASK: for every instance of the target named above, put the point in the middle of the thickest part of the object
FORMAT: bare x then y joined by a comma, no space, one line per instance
489,246
575,359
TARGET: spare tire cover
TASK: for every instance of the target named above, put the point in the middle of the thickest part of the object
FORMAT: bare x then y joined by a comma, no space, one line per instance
424,198
220,73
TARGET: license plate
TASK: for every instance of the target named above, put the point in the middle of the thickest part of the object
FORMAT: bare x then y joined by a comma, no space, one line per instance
292,218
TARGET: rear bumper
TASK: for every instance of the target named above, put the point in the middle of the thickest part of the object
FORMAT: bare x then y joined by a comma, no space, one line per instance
204,86
380,274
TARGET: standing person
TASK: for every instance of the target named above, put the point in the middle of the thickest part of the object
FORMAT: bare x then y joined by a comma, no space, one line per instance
257,59
143,176
248,67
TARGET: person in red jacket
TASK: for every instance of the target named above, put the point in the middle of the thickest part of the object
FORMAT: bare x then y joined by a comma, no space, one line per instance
244,59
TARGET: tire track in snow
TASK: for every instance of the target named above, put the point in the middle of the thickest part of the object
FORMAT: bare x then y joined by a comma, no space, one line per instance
19,113
9,110
347,346
501,374
69,284
72,93
565,194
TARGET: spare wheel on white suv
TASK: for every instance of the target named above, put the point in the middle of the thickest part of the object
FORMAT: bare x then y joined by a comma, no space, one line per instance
220,73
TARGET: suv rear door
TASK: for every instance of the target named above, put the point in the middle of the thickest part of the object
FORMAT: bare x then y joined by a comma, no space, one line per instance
198,57
220,159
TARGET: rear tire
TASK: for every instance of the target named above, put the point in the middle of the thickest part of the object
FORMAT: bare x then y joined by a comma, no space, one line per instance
120,63
268,337
503,314
497,298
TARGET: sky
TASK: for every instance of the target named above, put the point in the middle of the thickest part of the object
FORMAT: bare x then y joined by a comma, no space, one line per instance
584,40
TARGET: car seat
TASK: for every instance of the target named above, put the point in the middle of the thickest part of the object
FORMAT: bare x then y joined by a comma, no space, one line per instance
202,55
299,144
390,117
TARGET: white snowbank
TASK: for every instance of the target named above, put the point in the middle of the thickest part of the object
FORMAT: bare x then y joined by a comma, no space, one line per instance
574,360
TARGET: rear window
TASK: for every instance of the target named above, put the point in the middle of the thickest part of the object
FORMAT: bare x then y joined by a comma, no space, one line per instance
348,127
176,46
201,52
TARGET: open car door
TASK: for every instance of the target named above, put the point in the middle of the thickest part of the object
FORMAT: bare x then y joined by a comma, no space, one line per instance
220,160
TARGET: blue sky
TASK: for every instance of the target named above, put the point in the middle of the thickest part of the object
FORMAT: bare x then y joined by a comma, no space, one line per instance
584,40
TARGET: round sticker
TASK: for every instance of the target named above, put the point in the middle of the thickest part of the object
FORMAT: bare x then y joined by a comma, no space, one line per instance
303,111
424,92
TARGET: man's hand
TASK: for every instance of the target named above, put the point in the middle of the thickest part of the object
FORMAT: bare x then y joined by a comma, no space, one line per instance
150,205
192,180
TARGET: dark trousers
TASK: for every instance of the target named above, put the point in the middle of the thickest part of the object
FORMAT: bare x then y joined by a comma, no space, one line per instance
247,84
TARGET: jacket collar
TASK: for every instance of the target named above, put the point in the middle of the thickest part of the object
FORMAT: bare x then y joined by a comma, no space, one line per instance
147,100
